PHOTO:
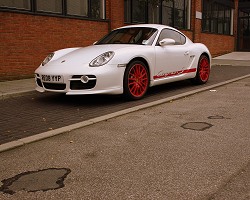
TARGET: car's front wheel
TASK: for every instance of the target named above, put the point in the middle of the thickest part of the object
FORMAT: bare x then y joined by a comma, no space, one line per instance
203,70
136,80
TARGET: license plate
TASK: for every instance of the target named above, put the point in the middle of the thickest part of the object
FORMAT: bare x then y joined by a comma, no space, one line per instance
52,78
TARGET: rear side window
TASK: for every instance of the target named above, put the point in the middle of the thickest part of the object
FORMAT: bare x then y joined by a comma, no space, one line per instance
172,34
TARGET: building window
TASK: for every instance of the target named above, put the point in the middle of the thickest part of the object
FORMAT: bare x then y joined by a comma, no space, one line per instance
154,12
174,13
21,4
135,11
217,17
54,6
167,13
77,7
94,9
97,9
127,11
179,13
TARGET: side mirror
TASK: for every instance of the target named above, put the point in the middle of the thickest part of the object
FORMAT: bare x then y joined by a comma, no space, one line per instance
167,41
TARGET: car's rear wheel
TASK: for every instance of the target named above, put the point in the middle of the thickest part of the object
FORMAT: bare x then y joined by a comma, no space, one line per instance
136,80
203,70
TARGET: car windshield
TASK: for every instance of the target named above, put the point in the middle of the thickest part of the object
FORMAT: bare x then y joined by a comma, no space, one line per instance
135,35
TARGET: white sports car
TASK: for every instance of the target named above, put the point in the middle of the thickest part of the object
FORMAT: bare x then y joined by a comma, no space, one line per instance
127,61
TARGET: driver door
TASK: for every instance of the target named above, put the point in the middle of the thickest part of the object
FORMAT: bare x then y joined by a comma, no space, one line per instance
171,59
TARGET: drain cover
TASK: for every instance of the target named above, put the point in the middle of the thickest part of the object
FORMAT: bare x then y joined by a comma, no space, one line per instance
32,181
197,126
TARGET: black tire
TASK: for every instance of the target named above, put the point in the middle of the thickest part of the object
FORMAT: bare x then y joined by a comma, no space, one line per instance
136,80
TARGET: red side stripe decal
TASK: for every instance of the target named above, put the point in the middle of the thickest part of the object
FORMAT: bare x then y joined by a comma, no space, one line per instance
174,73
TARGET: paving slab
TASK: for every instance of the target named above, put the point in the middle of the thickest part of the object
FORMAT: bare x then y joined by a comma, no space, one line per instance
11,88
233,59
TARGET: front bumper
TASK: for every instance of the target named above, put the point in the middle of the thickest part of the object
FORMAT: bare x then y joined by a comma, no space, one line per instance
105,80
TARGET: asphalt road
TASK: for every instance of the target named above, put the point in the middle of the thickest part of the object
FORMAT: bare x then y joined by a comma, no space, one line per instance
193,148
33,113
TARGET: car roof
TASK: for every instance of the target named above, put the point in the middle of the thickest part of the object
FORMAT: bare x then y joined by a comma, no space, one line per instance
156,26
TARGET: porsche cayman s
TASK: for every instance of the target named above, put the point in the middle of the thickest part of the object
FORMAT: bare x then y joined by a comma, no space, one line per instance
127,61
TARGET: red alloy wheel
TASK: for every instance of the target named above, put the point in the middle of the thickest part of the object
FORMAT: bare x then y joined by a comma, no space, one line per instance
204,69
138,80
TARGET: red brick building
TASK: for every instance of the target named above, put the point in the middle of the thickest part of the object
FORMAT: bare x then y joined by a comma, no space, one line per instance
30,29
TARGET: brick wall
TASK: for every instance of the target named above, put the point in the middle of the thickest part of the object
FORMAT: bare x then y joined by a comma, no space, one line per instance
218,44
116,10
25,40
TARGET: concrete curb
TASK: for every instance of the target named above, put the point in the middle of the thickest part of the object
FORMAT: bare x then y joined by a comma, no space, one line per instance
235,63
14,94
16,88
41,136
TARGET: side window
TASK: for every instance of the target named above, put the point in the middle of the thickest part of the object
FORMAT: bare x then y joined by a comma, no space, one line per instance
168,33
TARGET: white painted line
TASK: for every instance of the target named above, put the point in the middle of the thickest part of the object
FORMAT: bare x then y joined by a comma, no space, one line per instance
51,133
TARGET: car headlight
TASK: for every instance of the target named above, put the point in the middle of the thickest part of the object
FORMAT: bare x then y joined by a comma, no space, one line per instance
47,59
102,59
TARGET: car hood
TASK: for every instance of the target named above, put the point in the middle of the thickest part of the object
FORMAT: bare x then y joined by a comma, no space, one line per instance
82,55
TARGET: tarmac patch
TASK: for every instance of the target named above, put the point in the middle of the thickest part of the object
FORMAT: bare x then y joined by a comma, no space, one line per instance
216,117
33,181
197,126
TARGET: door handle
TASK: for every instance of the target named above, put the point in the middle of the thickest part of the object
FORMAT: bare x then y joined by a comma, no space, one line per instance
186,53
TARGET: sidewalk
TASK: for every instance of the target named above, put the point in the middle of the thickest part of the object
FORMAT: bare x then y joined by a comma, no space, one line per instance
234,59
9,88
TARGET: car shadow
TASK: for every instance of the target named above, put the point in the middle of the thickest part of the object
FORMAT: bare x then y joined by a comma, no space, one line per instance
154,93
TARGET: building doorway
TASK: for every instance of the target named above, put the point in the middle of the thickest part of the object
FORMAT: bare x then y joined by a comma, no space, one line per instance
244,26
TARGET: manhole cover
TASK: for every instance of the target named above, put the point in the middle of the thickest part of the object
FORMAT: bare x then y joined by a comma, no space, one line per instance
197,126
41,180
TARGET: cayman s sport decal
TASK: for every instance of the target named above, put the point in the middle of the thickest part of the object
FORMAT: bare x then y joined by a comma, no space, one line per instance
165,75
